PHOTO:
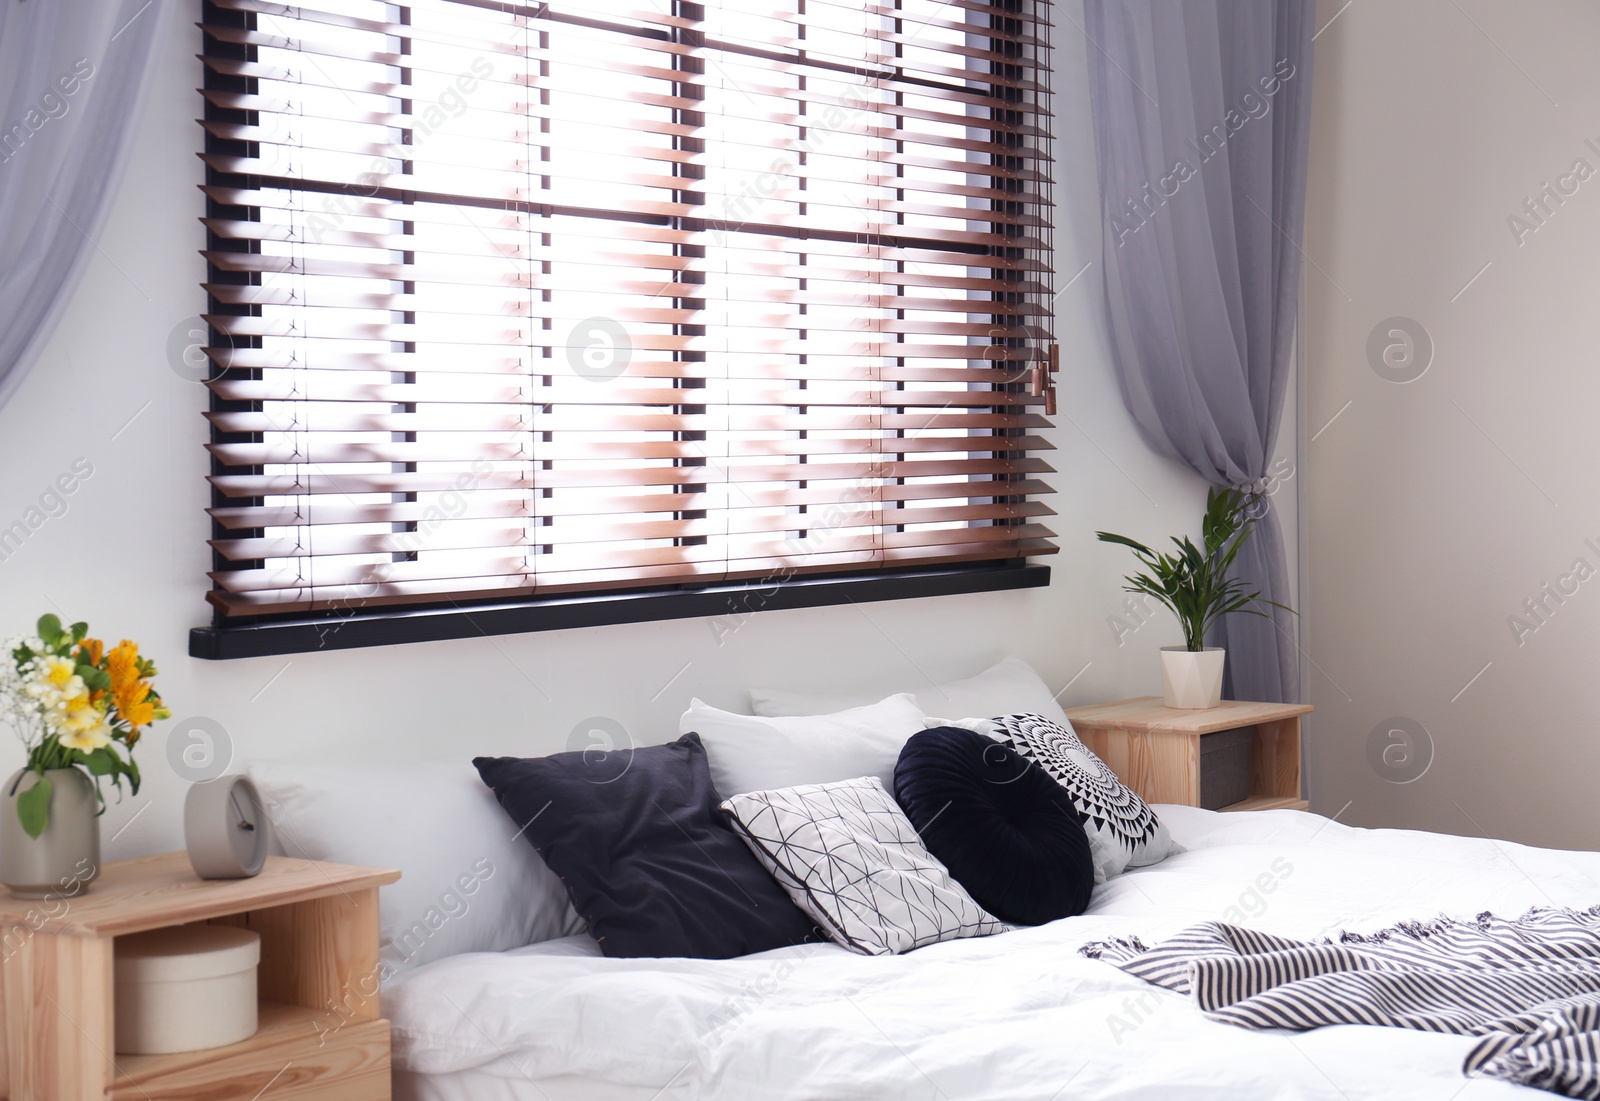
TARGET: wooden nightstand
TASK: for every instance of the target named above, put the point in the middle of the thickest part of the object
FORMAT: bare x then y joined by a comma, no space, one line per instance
321,1037
1156,750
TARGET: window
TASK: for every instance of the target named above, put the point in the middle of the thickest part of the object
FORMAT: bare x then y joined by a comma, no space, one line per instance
512,303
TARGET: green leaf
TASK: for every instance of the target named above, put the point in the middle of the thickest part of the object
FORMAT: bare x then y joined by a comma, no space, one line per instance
101,762
1123,540
78,631
33,805
49,629
98,680
100,796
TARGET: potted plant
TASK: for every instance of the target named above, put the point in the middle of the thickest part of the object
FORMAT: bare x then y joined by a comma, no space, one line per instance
1194,583
79,710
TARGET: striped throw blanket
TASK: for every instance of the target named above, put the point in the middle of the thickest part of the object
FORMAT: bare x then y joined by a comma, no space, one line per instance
1530,988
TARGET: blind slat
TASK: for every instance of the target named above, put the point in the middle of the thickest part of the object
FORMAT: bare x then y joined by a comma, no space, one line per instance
746,525
481,419
309,482
319,511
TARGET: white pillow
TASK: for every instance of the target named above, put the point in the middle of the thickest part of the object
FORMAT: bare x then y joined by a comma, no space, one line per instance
748,753
850,858
467,884
1009,688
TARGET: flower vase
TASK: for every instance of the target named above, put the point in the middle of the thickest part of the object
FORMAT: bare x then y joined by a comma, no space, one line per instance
63,860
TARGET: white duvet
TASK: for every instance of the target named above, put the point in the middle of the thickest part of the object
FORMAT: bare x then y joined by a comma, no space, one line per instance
1017,1016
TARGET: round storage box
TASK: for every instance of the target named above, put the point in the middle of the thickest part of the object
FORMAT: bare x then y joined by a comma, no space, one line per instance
185,988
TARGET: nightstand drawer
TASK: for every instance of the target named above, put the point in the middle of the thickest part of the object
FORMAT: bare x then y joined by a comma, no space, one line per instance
341,1064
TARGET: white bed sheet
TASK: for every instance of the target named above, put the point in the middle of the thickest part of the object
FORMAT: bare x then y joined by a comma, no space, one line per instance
1019,1016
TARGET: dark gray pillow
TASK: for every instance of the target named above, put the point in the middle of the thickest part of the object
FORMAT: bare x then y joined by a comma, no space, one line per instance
651,866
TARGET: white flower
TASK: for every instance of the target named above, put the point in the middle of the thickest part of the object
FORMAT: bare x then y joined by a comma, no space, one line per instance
92,734
57,671
46,696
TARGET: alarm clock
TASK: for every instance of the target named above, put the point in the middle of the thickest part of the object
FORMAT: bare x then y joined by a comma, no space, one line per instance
225,828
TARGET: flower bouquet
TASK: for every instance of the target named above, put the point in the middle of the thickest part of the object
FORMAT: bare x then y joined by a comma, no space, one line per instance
75,705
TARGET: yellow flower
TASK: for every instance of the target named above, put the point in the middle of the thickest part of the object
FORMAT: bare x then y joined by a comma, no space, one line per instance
123,665
88,741
78,699
58,671
137,714
128,691
85,727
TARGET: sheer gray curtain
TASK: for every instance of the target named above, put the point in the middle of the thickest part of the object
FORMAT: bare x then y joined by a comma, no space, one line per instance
1201,110
72,77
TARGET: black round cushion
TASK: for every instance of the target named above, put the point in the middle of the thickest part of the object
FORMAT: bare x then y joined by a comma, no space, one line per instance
1004,828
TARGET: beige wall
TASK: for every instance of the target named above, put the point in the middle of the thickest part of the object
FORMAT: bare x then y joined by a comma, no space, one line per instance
130,551
1438,506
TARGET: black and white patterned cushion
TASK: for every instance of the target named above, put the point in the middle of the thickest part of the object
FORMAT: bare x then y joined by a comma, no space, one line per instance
849,857
1123,831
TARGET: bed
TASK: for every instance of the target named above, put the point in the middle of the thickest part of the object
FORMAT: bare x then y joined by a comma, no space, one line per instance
1022,1015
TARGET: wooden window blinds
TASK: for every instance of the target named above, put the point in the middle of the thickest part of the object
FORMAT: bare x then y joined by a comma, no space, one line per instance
522,299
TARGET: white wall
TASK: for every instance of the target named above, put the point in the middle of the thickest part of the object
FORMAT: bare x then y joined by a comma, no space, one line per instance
1438,506
130,552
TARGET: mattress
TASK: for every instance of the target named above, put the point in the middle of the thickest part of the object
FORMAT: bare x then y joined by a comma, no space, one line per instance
1018,1016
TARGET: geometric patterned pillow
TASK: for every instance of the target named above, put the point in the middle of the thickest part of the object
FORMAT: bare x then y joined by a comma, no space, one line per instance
849,857
1123,831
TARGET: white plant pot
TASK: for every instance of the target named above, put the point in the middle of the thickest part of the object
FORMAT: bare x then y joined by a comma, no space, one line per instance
1192,679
